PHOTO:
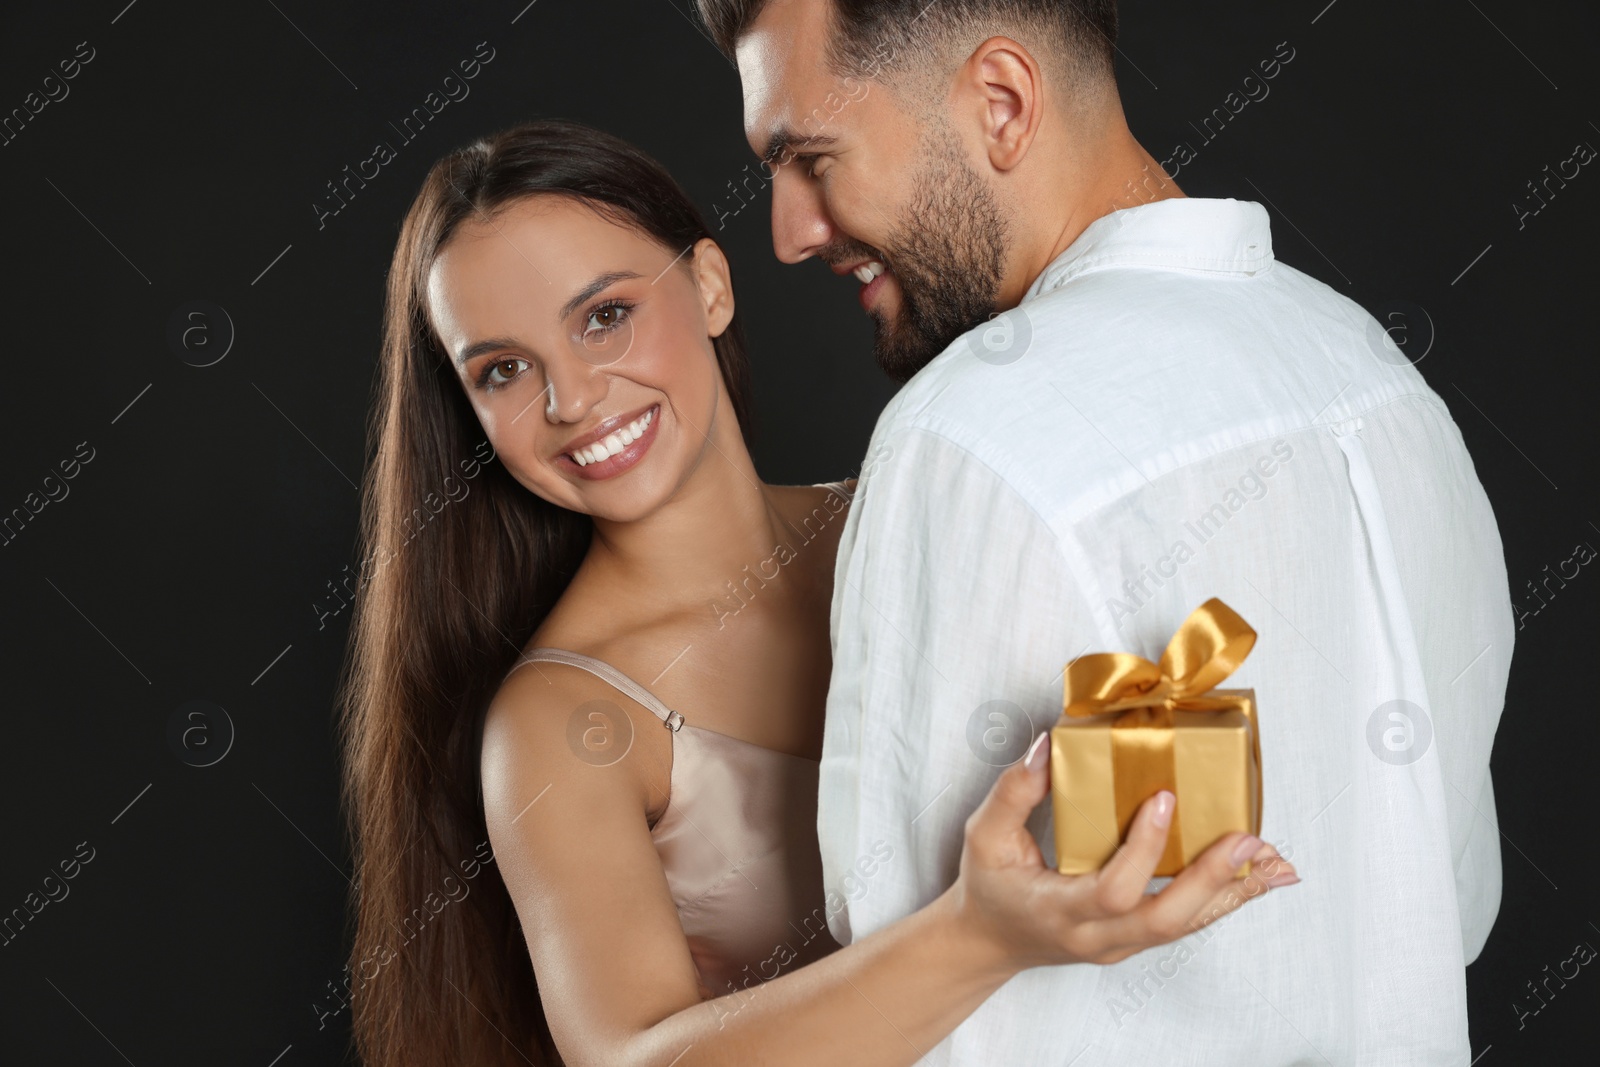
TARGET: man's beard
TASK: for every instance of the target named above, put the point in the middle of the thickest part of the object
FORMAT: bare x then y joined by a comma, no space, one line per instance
947,252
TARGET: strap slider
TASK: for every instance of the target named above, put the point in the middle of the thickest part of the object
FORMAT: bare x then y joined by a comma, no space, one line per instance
673,721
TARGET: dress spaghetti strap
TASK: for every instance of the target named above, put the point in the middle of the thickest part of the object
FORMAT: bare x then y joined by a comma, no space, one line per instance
606,672
838,487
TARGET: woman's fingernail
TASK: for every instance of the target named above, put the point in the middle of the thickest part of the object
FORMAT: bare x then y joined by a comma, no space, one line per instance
1246,848
1165,802
1286,878
1037,752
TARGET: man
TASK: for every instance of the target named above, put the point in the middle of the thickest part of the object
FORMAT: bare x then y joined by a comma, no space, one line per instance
1117,404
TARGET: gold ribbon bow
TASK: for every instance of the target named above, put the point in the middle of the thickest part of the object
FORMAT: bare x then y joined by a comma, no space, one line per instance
1209,646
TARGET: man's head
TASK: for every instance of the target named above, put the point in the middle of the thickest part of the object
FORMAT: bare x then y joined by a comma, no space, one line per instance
945,144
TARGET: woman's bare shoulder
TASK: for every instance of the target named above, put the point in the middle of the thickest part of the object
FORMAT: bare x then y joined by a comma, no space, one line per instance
553,722
801,501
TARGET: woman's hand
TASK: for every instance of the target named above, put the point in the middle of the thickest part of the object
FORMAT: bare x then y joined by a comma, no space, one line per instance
1034,916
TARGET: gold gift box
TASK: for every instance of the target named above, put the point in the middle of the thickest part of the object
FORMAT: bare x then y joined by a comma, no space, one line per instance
1130,728
1218,785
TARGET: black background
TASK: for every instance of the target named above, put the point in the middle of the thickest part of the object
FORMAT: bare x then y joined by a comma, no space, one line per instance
187,560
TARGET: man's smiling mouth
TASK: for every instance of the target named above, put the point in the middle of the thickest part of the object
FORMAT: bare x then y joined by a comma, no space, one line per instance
870,270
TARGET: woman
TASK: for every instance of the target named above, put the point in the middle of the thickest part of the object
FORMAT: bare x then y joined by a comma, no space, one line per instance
519,646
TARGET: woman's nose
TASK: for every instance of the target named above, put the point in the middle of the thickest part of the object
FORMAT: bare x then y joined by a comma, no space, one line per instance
572,388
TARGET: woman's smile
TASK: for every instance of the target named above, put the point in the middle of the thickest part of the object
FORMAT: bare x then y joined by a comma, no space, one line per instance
613,446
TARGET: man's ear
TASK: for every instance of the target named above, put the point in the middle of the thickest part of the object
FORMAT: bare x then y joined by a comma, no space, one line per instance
715,283
1001,88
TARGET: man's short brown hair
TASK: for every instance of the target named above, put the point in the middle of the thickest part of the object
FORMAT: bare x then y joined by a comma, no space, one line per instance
1081,33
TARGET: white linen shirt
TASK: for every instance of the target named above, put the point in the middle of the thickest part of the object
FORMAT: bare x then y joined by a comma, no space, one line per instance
1170,415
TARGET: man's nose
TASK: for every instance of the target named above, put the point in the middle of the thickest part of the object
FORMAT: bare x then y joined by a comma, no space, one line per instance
800,223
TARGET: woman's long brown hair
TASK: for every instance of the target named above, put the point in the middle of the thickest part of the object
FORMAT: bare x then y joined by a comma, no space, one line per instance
460,565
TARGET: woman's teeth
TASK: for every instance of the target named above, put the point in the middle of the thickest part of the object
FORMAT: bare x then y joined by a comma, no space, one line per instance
868,271
614,442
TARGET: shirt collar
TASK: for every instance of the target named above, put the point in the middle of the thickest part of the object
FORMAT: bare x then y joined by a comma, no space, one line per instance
1188,232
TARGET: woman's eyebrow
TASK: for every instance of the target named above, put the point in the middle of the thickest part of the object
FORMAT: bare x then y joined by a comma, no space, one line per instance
599,282
489,344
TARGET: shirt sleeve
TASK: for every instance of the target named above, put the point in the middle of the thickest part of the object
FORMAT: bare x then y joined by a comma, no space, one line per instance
954,614
1451,562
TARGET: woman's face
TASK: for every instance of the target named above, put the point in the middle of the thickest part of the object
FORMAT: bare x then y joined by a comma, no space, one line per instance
585,349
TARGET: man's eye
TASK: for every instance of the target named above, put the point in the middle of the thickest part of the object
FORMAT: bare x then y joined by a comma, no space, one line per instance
809,162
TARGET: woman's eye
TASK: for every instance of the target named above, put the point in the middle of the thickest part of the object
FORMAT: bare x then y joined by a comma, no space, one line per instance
492,372
604,319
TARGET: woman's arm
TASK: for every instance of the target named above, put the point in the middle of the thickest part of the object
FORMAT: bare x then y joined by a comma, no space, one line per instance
613,966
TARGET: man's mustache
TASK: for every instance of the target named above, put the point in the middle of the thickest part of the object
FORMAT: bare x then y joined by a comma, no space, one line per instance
850,252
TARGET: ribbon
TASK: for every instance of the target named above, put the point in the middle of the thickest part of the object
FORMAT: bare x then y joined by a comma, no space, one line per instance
1209,646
